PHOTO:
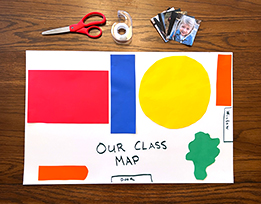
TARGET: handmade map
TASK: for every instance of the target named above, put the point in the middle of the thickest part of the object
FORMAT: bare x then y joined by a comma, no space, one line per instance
128,117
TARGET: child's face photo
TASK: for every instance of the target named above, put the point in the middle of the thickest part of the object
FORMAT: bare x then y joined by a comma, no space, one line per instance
185,29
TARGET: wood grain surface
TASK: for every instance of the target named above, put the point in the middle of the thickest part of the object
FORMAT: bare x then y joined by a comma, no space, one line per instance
227,26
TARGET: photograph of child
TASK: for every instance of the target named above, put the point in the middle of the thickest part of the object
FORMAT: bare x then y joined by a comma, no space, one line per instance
159,27
165,19
184,30
169,19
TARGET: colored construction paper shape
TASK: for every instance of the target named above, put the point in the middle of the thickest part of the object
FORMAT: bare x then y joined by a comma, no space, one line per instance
62,173
62,96
203,151
175,92
123,94
224,80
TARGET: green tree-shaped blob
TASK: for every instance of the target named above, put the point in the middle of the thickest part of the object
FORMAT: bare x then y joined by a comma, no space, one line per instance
203,151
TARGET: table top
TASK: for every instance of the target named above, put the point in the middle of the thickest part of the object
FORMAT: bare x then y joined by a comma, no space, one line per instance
227,26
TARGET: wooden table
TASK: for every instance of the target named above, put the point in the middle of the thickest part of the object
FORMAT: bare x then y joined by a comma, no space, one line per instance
227,26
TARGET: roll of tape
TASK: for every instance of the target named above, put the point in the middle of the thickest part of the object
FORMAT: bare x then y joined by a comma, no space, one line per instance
126,26
118,36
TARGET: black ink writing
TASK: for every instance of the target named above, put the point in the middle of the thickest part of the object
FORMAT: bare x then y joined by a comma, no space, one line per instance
127,161
101,148
140,145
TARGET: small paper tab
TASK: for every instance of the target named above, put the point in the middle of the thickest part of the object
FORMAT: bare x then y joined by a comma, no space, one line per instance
228,125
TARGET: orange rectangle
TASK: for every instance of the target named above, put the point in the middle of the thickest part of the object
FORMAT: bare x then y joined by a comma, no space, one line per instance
224,86
62,173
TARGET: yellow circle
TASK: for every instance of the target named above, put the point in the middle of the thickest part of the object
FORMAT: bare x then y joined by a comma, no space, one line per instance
175,92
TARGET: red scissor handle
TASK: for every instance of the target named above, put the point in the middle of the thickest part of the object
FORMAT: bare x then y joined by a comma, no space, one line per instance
84,28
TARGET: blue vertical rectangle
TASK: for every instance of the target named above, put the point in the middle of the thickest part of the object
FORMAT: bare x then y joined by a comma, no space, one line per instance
123,94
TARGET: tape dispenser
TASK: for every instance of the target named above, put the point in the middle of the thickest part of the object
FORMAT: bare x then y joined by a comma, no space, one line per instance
124,26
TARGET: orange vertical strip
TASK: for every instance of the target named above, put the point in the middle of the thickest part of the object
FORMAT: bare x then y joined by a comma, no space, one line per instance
224,87
62,173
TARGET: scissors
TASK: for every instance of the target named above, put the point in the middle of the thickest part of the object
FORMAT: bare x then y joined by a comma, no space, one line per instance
81,27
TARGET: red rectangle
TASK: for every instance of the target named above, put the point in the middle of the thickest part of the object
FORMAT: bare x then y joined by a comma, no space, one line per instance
65,96
224,86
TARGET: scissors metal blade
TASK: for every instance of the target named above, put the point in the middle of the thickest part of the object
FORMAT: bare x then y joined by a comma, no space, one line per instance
57,30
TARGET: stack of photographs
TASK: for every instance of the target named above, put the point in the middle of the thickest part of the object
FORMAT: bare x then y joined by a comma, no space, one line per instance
174,24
